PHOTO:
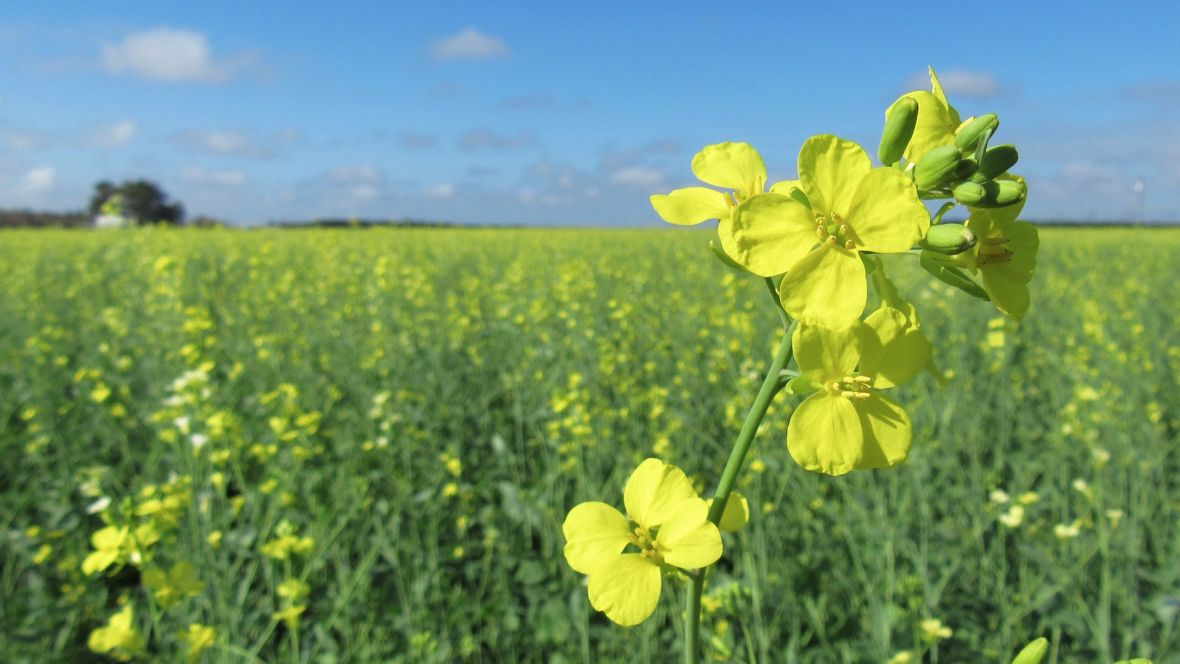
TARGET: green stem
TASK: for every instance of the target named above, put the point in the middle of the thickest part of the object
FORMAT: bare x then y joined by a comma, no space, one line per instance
737,456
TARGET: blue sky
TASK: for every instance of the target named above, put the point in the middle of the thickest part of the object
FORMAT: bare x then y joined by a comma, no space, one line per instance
559,113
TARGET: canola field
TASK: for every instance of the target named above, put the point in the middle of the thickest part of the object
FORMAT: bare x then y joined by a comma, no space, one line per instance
359,445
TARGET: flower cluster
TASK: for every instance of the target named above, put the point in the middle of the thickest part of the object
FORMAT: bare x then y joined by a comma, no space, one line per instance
817,240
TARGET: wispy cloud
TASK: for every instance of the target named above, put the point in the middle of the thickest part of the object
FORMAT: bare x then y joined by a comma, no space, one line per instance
469,44
417,141
638,176
237,142
112,135
539,102
959,82
169,54
486,139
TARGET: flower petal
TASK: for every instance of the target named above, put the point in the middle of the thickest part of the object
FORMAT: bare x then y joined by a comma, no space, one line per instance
768,234
688,540
736,166
691,205
894,348
936,90
594,532
626,589
935,127
887,432
654,491
825,354
826,287
736,514
830,169
886,214
825,434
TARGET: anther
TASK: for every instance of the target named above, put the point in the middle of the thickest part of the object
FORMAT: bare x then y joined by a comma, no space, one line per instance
847,379
832,240
862,395
843,228
849,245
863,379
848,394
821,232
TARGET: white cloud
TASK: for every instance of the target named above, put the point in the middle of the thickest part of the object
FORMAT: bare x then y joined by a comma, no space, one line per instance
200,176
441,190
166,54
469,44
959,82
114,135
486,139
236,141
357,183
637,176
38,180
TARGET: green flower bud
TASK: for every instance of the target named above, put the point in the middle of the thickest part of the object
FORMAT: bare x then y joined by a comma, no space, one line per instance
900,120
936,166
949,239
966,168
996,161
970,193
1002,193
1033,653
970,135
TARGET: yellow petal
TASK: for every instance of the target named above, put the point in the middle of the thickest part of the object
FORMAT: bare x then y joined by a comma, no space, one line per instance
825,434
736,514
768,234
826,287
1007,288
830,169
784,187
936,90
654,491
691,205
626,590
887,432
594,532
886,214
688,540
825,354
108,538
894,348
736,166
936,125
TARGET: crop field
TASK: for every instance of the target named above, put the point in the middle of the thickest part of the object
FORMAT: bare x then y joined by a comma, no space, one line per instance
359,446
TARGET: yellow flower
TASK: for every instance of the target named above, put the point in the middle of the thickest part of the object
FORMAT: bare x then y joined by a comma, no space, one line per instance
108,548
197,638
846,423
937,120
1005,255
178,583
736,167
625,557
119,638
934,630
289,615
853,207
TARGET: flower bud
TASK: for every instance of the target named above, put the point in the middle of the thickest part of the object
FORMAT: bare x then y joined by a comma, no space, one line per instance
997,161
970,193
1002,193
949,239
900,120
936,166
966,168
1033,653
970,135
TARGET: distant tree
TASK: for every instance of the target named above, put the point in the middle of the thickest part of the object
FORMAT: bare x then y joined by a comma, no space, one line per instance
141,201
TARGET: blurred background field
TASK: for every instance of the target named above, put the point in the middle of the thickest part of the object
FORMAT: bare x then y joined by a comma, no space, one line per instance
364,443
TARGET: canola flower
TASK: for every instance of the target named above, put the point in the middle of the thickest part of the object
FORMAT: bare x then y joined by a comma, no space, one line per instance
736,167
626,556
119,638
853,208
846,423
1005,256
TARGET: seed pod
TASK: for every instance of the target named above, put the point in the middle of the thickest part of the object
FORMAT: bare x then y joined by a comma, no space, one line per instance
900,120
936,166
1033,653
949,239
997,160
970,135
970,193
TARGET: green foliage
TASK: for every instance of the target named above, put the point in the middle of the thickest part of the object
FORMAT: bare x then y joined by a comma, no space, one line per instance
377,434
140,200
